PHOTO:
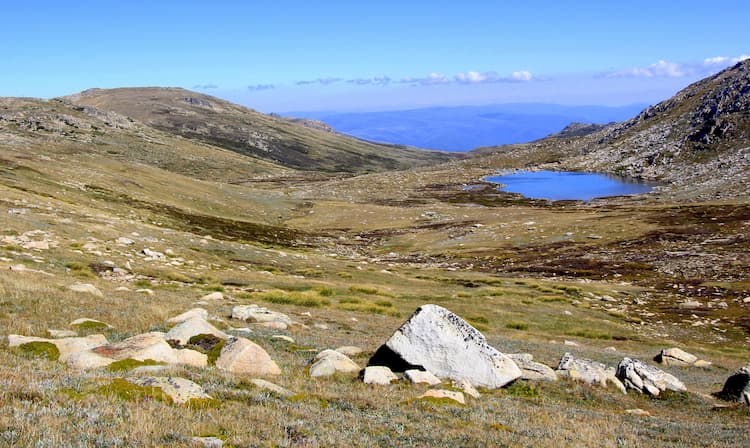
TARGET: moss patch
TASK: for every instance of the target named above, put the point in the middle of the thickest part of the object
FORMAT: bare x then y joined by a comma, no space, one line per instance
125,390
40,349
130,364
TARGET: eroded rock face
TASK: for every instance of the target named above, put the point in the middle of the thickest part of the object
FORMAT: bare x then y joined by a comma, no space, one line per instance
329,362
588,371
436,340
737,386
240,355
644,378
675,357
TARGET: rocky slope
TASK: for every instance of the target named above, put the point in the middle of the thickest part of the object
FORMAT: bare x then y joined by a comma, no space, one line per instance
698,140
220,123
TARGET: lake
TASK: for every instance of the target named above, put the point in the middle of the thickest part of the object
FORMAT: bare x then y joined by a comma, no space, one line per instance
560,185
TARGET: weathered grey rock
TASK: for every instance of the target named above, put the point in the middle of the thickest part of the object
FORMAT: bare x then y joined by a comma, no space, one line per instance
702,363
329,362
180,390
149,253
588,371
213,296
263,316
379,375
151,346
532,370
644,378
349,350
440,394
195,312
194,326
66,346
467,388
125,241
275,388
737,386
417,376
675,357
86,288
243,356
436,340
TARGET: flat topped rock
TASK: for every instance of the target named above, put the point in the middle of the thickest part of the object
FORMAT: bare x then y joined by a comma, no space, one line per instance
436,340
86,288
421,377
675,357
263,316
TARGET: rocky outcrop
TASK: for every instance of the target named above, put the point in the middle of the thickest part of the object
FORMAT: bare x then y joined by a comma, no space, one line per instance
643,378
436,340
678,357
588,371
531,370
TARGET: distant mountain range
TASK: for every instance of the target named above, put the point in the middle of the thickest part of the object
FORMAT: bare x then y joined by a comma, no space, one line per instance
467,127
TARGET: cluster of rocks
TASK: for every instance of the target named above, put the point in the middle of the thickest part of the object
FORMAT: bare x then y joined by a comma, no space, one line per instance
432,347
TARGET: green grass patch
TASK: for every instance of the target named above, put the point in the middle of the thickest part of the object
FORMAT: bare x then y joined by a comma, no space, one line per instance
522,389
350,300
130,364
364,290
92,325
367,307
590,334
523,326
310,299
125,390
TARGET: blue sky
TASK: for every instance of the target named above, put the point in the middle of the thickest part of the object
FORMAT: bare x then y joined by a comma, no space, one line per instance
349,55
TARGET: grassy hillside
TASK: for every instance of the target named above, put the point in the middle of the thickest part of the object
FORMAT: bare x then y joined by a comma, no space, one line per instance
217,122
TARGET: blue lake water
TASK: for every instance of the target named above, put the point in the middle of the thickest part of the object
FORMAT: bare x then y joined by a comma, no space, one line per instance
560,185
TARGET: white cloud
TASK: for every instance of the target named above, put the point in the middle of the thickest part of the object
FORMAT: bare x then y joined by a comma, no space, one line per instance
724,60
667,69
521,76
430,80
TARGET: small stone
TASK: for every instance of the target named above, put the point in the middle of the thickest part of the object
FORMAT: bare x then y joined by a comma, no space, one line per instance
702,363
349,350
146,291
86,322
689,305
639,412
86,288
195,312
422,377
458,397
267,385
379,375
125,241
571,343
283,337
213,296
531,370
610,349
57,334
467,388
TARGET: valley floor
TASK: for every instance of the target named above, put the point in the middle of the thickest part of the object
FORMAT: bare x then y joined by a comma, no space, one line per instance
350,259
